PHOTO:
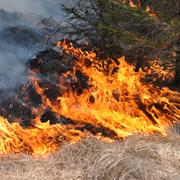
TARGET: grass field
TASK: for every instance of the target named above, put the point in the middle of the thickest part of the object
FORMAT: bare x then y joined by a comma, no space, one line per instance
138,157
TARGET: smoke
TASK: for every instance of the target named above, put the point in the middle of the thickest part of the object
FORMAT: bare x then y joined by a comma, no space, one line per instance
21,34
36,7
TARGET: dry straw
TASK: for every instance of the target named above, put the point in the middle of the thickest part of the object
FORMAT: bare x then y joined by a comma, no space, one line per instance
138,157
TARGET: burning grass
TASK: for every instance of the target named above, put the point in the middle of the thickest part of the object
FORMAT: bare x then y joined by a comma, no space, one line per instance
105,98
100,120
140,157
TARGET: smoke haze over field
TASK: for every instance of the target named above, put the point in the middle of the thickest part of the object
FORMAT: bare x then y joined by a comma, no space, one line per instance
36,7
21,34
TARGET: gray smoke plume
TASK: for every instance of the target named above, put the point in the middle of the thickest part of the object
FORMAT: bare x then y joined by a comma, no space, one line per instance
36,7
23,25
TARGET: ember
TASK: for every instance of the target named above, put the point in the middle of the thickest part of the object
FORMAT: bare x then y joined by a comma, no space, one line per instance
133,4
110,101
139,4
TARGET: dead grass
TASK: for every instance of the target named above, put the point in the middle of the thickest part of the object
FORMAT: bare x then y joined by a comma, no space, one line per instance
136,158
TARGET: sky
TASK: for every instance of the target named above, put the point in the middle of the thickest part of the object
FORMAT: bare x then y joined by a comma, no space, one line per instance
36,7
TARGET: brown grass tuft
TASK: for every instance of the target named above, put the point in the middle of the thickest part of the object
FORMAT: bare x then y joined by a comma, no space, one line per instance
136,158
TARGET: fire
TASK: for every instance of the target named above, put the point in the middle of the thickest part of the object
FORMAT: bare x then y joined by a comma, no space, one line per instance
117,99
148,9
151,13
134,5
41,139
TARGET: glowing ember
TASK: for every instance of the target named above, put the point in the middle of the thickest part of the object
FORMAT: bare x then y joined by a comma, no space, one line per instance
148,9
151,13
117,99
133,4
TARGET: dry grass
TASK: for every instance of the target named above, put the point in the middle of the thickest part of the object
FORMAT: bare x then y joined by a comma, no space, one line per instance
136,158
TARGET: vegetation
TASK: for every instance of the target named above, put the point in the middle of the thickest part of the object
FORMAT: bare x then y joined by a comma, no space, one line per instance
148,30
137,157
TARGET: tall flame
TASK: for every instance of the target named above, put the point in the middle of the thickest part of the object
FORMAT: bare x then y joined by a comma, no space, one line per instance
117,99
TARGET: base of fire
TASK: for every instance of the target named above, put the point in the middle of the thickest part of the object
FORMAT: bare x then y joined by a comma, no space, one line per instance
140,157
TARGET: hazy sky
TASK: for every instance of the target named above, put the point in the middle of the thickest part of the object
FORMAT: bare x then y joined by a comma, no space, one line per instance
42,7
12,56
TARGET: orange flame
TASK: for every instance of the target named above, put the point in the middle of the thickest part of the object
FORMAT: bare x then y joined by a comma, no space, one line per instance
148,9
150,12
117,99
41,139
133,4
